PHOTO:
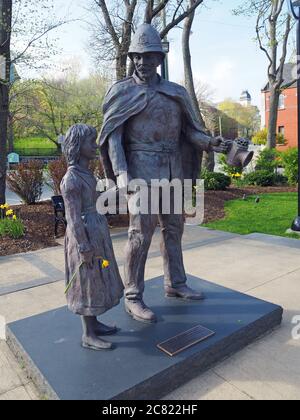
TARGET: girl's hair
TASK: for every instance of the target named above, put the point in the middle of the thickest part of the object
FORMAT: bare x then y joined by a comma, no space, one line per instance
73,141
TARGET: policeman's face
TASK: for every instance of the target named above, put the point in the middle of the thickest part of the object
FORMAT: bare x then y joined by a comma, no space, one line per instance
146,64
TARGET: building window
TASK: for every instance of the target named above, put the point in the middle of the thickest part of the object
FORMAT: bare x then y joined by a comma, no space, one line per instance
281,102
281,130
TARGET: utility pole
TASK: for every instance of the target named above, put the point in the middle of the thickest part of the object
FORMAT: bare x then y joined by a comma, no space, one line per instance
5,35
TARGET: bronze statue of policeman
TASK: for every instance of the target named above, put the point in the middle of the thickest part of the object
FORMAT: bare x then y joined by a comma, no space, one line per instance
150,132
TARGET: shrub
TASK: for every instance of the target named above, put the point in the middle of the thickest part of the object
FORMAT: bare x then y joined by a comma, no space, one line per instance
27,181
215,181
97,168
260,138
280,179
10,225
260,178
289,160
268,160
56,171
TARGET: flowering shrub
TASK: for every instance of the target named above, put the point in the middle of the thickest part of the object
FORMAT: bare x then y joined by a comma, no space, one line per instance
10,224
27,181
56,171
261,137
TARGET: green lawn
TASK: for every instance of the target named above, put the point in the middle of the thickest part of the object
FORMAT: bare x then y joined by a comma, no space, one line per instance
34,143
35,146
273,215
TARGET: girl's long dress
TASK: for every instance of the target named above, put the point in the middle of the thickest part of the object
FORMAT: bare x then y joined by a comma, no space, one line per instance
94,290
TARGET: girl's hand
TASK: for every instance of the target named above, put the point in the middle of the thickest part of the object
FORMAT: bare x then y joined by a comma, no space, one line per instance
88,258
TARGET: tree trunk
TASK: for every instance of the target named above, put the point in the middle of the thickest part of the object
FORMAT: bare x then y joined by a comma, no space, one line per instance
273,116
121,66
187,62
208,158
10,134
5,34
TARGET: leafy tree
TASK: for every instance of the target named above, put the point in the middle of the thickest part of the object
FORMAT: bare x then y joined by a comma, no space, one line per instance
24,26
53,105
248,118
273,28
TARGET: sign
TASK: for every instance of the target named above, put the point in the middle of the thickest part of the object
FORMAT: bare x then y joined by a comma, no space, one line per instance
185,340
13,158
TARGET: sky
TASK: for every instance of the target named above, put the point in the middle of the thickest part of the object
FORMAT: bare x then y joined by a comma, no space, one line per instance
225,55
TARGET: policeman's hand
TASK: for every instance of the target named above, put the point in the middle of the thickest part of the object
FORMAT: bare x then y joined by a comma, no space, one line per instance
220,145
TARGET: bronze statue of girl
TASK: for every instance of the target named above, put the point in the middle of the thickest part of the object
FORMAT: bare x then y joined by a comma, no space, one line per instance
93,281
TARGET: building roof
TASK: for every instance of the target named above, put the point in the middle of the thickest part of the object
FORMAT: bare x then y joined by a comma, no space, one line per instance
289,76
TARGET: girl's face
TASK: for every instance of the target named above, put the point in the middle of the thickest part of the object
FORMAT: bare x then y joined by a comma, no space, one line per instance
89,148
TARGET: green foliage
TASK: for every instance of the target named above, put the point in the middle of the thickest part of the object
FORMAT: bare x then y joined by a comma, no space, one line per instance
27,181
45,109
215,181
261,178
272,215
12,228
228,169
260,138
289,159
248,118
268,160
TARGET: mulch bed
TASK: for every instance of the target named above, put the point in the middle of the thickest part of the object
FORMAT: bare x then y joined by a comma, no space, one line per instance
39,223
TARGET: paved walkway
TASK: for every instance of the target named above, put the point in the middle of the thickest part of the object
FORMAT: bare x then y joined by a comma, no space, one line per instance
263,266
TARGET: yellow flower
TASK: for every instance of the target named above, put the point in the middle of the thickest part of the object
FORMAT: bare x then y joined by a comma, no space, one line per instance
9,212
105,264
14,217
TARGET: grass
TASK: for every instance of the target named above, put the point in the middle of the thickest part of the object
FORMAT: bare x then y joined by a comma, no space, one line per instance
34,143
35,146
273,215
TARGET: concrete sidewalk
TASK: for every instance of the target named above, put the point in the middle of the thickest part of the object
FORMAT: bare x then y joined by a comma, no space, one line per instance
263,266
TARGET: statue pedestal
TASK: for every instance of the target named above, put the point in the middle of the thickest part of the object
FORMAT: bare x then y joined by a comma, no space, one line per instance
49,344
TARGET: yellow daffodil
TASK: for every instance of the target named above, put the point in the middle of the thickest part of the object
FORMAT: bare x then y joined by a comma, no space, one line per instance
105,264
9,212
14,217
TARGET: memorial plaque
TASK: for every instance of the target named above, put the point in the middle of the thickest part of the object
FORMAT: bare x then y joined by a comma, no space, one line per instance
187,339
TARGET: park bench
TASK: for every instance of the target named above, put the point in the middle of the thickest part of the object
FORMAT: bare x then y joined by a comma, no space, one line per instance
59,212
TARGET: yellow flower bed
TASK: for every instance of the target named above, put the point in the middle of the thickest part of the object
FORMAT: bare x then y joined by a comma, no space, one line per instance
10,225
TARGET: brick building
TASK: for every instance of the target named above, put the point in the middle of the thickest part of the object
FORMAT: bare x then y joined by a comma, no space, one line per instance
287,109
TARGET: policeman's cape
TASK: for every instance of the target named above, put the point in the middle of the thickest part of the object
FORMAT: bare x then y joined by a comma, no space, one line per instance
126,99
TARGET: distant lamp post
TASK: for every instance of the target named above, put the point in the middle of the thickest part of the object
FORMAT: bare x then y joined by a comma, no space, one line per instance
294,8
164,66
166,47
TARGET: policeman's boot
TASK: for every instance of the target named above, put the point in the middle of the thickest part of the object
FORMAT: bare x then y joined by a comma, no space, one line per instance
139,311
